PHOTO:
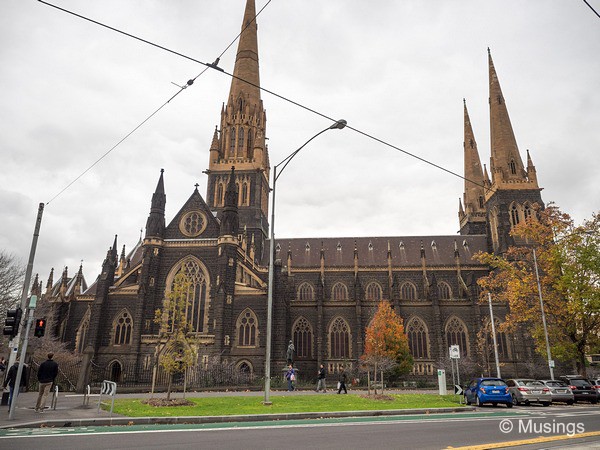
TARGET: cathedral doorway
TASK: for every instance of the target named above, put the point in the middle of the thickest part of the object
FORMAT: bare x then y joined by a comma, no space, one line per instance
115,371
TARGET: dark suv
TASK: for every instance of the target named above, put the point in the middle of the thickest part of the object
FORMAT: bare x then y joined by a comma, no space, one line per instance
582,389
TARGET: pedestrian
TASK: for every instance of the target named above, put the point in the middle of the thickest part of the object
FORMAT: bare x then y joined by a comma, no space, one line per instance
321,379
342,381
2,365
11,377
290,376
46,375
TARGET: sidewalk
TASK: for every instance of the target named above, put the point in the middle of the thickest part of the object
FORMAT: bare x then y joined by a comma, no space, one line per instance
70,412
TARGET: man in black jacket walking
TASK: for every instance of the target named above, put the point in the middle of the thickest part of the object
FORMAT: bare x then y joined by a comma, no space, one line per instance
46,375
11,378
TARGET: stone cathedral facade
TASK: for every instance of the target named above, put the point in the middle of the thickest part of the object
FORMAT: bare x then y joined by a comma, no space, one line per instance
325,289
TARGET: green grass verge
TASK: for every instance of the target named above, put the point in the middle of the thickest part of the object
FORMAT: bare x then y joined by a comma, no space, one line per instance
226,406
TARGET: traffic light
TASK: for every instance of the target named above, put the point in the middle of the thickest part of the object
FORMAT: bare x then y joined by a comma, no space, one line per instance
40,327
12,322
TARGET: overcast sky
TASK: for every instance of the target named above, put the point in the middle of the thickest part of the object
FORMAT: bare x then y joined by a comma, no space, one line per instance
397,70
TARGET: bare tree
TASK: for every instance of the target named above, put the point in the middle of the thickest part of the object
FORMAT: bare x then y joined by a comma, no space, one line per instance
12,275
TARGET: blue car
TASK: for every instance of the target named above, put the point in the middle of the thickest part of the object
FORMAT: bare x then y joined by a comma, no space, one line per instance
488,390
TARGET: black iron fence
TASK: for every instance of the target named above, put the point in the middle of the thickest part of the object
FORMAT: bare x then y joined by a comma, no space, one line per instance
214,376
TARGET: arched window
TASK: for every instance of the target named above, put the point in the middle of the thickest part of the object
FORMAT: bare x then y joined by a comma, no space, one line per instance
527,212
302,337
244,193
501,340
247,328
245,367
481,201
240,105
374,291
250,145
232,143
123,327
514,215
219,199
408,291
444,290
456,334
513,167
240,146
82,332
339,339
306,292
197,299
418,339
339,292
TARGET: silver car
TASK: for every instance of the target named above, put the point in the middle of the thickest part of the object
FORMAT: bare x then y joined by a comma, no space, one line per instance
525,390
560,391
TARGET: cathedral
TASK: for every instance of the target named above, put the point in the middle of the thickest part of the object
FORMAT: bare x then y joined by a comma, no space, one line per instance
325,290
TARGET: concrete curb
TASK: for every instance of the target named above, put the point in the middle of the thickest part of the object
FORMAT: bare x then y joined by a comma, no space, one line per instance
109,421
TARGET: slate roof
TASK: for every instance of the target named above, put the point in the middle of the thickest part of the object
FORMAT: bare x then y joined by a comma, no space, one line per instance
373,251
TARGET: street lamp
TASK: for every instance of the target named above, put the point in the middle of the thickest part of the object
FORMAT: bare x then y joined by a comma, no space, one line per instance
338,125
537,276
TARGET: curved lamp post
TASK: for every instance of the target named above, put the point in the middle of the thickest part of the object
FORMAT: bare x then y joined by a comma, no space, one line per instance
338,125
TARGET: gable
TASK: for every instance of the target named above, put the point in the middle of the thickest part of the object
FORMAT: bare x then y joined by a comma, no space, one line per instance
193,221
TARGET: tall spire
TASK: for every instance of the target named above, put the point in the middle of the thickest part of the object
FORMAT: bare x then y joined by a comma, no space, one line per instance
246,61
240,140
505,163
155,225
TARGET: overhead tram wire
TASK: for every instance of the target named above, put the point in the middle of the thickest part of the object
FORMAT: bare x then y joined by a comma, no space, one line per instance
191,81
214,66
595,12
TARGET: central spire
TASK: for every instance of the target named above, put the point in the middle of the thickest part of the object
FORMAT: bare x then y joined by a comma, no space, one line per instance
246,61
240,140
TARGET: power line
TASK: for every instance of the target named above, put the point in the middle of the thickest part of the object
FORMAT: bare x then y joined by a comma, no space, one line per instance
300,105
190,82
595,12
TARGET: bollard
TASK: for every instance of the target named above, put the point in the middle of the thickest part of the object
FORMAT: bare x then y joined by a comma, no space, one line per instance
55,398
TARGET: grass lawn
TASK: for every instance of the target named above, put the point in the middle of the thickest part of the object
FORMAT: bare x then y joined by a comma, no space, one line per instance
226,406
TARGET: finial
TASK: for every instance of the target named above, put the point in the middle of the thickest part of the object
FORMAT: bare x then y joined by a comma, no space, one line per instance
162,170
196,186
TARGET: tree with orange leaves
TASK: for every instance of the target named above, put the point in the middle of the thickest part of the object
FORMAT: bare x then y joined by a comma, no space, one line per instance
568,264
386,345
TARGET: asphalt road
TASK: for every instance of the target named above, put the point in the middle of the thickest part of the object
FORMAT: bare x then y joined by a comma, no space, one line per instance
413,432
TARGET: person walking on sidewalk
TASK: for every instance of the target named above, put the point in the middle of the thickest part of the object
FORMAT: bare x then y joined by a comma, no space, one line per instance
342,381
46,375
321,381
290,376
11,378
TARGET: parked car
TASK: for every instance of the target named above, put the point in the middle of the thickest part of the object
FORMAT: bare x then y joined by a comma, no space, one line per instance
560,391
582,389
526,390
596,384
487,390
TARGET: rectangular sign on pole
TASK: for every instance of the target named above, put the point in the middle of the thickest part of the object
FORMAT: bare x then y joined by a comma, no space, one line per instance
442,381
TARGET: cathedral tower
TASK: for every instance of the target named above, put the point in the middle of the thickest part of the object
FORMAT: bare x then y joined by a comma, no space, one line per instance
240,141
513,191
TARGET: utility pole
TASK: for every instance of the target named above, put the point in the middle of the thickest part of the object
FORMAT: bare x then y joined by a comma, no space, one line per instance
494,336
13,345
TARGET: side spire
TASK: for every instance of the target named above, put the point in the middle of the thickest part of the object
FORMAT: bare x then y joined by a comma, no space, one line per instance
155,225
472,218
505,162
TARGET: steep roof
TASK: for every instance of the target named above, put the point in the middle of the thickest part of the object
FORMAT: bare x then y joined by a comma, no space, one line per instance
373,251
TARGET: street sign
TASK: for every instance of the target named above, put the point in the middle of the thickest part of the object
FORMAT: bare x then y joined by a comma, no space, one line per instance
551,363
458,389
454,352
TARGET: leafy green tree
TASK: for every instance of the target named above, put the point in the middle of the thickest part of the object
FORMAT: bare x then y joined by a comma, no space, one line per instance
386,344
568,262
179,352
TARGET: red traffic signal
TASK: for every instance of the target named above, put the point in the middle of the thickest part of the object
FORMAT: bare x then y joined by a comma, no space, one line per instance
40,327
